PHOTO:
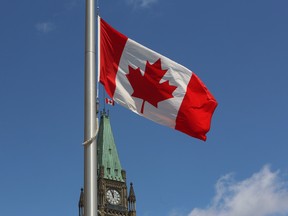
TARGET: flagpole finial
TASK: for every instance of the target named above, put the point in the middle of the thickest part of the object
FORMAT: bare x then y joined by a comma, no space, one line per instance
104,112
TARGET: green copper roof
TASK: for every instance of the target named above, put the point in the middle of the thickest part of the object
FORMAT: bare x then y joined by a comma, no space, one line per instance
107,152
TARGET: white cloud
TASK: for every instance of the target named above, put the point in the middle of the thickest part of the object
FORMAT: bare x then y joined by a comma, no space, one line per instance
45,27
263,194
141,3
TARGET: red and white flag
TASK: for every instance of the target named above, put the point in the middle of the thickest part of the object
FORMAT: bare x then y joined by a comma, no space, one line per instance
152,85
109,101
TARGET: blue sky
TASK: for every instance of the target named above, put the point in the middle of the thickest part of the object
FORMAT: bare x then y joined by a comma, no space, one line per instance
239,49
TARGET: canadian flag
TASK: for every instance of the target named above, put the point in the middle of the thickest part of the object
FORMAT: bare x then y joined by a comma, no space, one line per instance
152,85
109,101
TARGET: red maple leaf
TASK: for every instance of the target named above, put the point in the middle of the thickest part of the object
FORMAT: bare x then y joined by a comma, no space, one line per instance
148,87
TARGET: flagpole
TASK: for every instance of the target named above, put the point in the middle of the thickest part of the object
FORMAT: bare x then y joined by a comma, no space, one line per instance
90,117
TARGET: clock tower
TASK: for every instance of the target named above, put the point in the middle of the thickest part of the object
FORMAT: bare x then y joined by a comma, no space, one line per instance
113,196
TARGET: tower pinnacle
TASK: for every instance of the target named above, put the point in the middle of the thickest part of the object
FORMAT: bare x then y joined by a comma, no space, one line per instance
131,201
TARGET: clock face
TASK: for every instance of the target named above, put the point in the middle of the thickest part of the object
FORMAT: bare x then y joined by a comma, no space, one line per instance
113,196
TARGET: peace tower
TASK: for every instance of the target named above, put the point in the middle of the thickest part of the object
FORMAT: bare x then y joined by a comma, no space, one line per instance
113,198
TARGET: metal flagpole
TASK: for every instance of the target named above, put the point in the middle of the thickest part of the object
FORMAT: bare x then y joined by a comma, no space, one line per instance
90,116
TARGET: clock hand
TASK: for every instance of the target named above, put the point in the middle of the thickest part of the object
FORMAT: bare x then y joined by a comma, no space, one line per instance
112,193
